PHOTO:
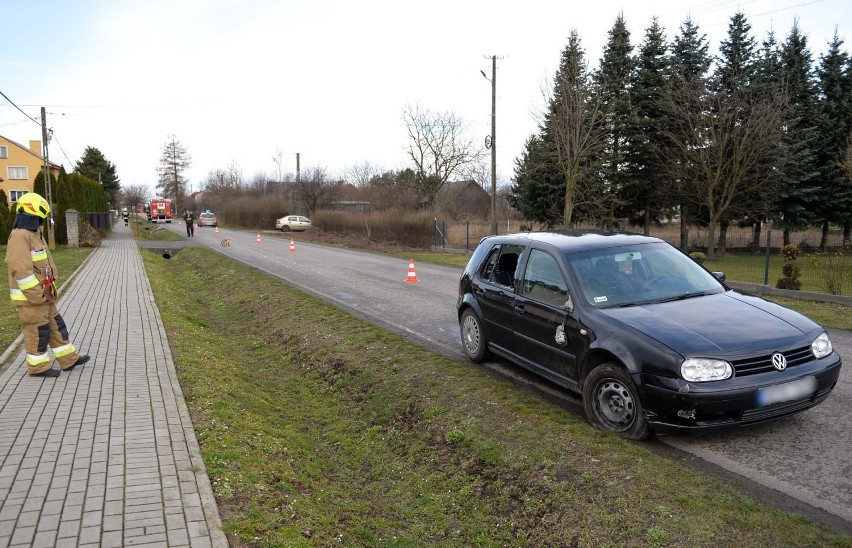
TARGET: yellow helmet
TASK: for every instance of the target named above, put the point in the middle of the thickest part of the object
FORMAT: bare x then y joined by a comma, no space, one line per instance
33,204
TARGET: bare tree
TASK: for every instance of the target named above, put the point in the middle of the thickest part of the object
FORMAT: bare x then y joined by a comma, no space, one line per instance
173,164
574,125
315,189
718,146
135,196
361,174
278,158
439,147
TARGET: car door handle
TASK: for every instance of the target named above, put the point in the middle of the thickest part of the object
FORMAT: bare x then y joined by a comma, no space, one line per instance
519,308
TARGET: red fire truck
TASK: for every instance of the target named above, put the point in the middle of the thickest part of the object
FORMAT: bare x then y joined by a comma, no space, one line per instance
160,210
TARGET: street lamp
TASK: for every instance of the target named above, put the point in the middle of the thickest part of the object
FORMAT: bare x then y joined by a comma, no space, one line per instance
492,142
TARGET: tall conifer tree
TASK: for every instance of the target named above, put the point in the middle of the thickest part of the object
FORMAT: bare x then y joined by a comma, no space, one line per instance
94,165
835,123
800,192
614,81
643,196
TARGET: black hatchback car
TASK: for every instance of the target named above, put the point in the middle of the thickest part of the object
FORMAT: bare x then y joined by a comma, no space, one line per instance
651,340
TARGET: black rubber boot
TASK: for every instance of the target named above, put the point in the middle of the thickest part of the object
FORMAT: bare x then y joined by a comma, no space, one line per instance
80,361
47,373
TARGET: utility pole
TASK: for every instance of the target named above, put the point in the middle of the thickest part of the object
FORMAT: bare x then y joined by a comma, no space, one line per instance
492,141
51,240
494,144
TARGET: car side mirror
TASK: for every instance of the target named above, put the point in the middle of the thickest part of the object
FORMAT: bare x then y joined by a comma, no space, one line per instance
569,305
719,276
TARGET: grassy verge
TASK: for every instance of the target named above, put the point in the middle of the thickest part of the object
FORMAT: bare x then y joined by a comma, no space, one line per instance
330,430
143,230
67,260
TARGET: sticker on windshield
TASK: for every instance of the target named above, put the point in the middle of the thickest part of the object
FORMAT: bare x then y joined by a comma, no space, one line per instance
600,299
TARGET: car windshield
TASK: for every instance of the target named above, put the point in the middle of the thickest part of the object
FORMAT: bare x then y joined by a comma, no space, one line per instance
640,274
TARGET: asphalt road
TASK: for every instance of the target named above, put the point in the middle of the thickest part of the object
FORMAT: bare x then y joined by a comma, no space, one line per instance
806,459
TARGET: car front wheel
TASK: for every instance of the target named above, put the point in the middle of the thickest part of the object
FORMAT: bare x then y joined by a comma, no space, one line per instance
611,402
473,337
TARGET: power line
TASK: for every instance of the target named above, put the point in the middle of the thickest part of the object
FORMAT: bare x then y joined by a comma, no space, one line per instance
19,109
55,138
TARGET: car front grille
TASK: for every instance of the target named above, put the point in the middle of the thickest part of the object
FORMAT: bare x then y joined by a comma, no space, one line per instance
762,364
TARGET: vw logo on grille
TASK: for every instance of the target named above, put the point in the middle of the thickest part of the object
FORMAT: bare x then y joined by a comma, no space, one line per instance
779,362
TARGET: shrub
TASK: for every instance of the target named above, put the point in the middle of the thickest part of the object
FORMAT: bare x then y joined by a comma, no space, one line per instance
698,257
834,271
790,252
396,227
89,237
790,270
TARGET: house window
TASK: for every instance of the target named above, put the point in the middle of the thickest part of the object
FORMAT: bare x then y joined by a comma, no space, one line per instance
16,172
15,195
4,151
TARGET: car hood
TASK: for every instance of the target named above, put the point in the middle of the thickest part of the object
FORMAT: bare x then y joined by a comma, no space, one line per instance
727,324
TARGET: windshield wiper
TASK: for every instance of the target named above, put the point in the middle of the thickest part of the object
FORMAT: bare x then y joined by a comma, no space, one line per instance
685,296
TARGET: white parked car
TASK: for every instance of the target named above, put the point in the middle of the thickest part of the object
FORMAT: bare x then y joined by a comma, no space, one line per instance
292,222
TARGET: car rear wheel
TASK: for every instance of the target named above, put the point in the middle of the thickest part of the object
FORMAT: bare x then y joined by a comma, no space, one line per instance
285,228
611,402
473,337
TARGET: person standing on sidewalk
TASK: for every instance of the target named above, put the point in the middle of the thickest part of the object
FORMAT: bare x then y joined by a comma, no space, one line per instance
189,219
32,288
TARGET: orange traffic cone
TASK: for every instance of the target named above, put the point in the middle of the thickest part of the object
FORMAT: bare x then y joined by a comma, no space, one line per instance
257,240
292,246
217,229
412,276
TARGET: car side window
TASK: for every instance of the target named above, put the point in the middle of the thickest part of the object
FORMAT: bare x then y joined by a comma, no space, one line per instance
500,266
543,280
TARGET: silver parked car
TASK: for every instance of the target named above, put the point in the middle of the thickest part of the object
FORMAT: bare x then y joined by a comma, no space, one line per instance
208,218
292,222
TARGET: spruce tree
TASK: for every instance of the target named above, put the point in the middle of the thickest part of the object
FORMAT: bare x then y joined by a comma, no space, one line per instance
735,73
574,131
538,188
835,122
614,81
800,196
689,65
643,197
768,83
94,165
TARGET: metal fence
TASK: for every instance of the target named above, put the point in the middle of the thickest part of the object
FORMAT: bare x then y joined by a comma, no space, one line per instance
827,272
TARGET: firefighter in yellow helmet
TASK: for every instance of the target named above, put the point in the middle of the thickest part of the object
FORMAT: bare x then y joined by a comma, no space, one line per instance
32,288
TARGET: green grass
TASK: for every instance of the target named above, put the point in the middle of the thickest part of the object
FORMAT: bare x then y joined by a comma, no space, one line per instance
817,271
331,431
143,230
67,260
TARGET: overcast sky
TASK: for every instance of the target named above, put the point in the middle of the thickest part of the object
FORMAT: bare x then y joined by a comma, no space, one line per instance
237,81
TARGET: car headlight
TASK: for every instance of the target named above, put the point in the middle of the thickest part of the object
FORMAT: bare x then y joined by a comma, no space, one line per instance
821,347
704,370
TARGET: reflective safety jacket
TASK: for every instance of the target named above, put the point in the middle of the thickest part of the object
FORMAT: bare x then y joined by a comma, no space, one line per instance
29,263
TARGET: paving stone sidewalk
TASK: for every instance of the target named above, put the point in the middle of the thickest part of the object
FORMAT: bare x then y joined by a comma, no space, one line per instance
104,455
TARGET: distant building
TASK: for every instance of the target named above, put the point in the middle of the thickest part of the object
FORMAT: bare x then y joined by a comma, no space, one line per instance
463,200
19,167
348,197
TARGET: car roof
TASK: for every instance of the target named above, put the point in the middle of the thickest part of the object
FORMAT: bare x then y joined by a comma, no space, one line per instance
569,241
